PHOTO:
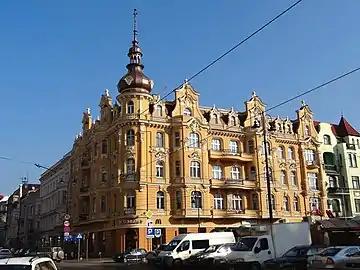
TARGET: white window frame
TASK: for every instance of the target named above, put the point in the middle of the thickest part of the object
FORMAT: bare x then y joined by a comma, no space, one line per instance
194,140
217,172
218,201
235,173
216,145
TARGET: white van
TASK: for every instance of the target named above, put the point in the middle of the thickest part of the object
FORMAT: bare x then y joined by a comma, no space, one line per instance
183,246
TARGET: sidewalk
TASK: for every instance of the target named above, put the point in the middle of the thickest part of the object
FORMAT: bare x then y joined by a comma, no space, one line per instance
90,260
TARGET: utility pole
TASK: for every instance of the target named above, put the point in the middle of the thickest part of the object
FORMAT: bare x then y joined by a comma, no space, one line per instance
24,181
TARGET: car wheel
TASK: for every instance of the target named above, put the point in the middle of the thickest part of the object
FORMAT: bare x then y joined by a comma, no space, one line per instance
256,266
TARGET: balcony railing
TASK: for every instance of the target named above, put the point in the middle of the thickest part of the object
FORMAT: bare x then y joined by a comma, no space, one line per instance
230,154
330,167
129,211
84,189
334,190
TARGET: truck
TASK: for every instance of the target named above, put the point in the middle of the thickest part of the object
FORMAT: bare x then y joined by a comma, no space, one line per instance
269,242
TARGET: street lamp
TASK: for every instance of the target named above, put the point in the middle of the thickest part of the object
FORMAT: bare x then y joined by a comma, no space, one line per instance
196,201
268,177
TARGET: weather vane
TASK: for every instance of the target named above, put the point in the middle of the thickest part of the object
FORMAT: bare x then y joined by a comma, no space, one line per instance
135,31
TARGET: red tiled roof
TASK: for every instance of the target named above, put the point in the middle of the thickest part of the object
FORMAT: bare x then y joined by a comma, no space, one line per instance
345,129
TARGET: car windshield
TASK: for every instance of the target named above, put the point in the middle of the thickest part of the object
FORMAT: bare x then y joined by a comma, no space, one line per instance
172,245
212,249
245,244
225,248
330,251
15,267
296,252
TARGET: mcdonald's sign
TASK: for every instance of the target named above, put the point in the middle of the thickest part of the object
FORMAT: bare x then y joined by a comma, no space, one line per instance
158,221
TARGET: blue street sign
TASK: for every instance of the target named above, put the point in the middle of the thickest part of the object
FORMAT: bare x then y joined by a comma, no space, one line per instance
149,233
157,233
79,236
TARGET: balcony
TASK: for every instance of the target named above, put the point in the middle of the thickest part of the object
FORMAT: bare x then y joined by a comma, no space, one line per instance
312,164
84,216
338,190
129,211
350,146
85,164
84,189
229,154
232,183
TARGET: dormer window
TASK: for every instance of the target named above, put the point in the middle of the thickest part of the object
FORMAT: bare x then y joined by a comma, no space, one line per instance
187,112
215,118
232,121
159,110
130,107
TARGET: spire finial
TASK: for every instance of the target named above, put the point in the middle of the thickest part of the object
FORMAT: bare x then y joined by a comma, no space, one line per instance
342,113
134,30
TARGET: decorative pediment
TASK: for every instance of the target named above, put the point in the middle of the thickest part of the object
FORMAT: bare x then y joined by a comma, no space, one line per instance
233,113
156,99
105,99
194,125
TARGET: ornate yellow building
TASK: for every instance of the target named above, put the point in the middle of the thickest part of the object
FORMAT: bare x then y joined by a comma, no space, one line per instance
195,168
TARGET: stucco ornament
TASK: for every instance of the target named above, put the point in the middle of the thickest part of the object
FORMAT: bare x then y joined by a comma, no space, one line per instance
160,154
194,126
128,79
194,155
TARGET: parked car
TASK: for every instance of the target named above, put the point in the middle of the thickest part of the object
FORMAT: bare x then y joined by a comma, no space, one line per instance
137,255
152,255
27,263
6,253
297,257
119,257
351,263
55,253
331,257
212,255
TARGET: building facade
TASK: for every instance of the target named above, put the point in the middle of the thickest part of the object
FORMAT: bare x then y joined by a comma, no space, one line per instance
3,215
341,149
54,201
30,224
195,168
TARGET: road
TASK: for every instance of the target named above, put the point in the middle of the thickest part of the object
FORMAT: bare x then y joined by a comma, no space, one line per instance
96,264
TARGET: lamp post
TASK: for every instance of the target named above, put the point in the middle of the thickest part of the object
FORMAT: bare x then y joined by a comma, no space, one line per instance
196,201
267,169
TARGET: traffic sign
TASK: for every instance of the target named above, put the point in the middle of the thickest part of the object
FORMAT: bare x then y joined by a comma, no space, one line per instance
67,217
157,233
79,236
149,223
66,223
66,234
149,233
149,214
66,229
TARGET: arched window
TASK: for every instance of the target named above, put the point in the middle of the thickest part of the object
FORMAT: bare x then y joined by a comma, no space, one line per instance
273,206
283,177
296,204
215,118
158,110
196,199
187,112
215,144
281,152
218,201
160,169
178,199
130,137
232,121
194,140
216,172
159,139
291,154
286,203
160,200
293,178
237,202
235,173
130,107
195,169
327,140
267,148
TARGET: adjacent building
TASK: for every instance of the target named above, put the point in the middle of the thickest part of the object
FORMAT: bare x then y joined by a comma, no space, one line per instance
3,215
341,149
54,201
187,167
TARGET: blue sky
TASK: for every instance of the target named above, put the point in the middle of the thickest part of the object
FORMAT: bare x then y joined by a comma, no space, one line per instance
57,57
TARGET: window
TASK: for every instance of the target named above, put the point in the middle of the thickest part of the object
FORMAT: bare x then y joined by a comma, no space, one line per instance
237,202
160,200
306,131
196,199
130,168
327,140
293,178
332,181
104,147
159,139
355,182
200,244
218,201
232,121
177,168
158,110
130,107
235,173
233,147
267,148
291,155
251,146
104,175
94,205
270,174
283,177
296,204
309,156
252,173
177,139
285,203
215,145
216,172
314,203
357,205
313,181
159,169
96,149
281,152
178,199
194,140
103,204
215,119
195,169
115,203
255,201
130,137
187,112
130,200
272,202
353,160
